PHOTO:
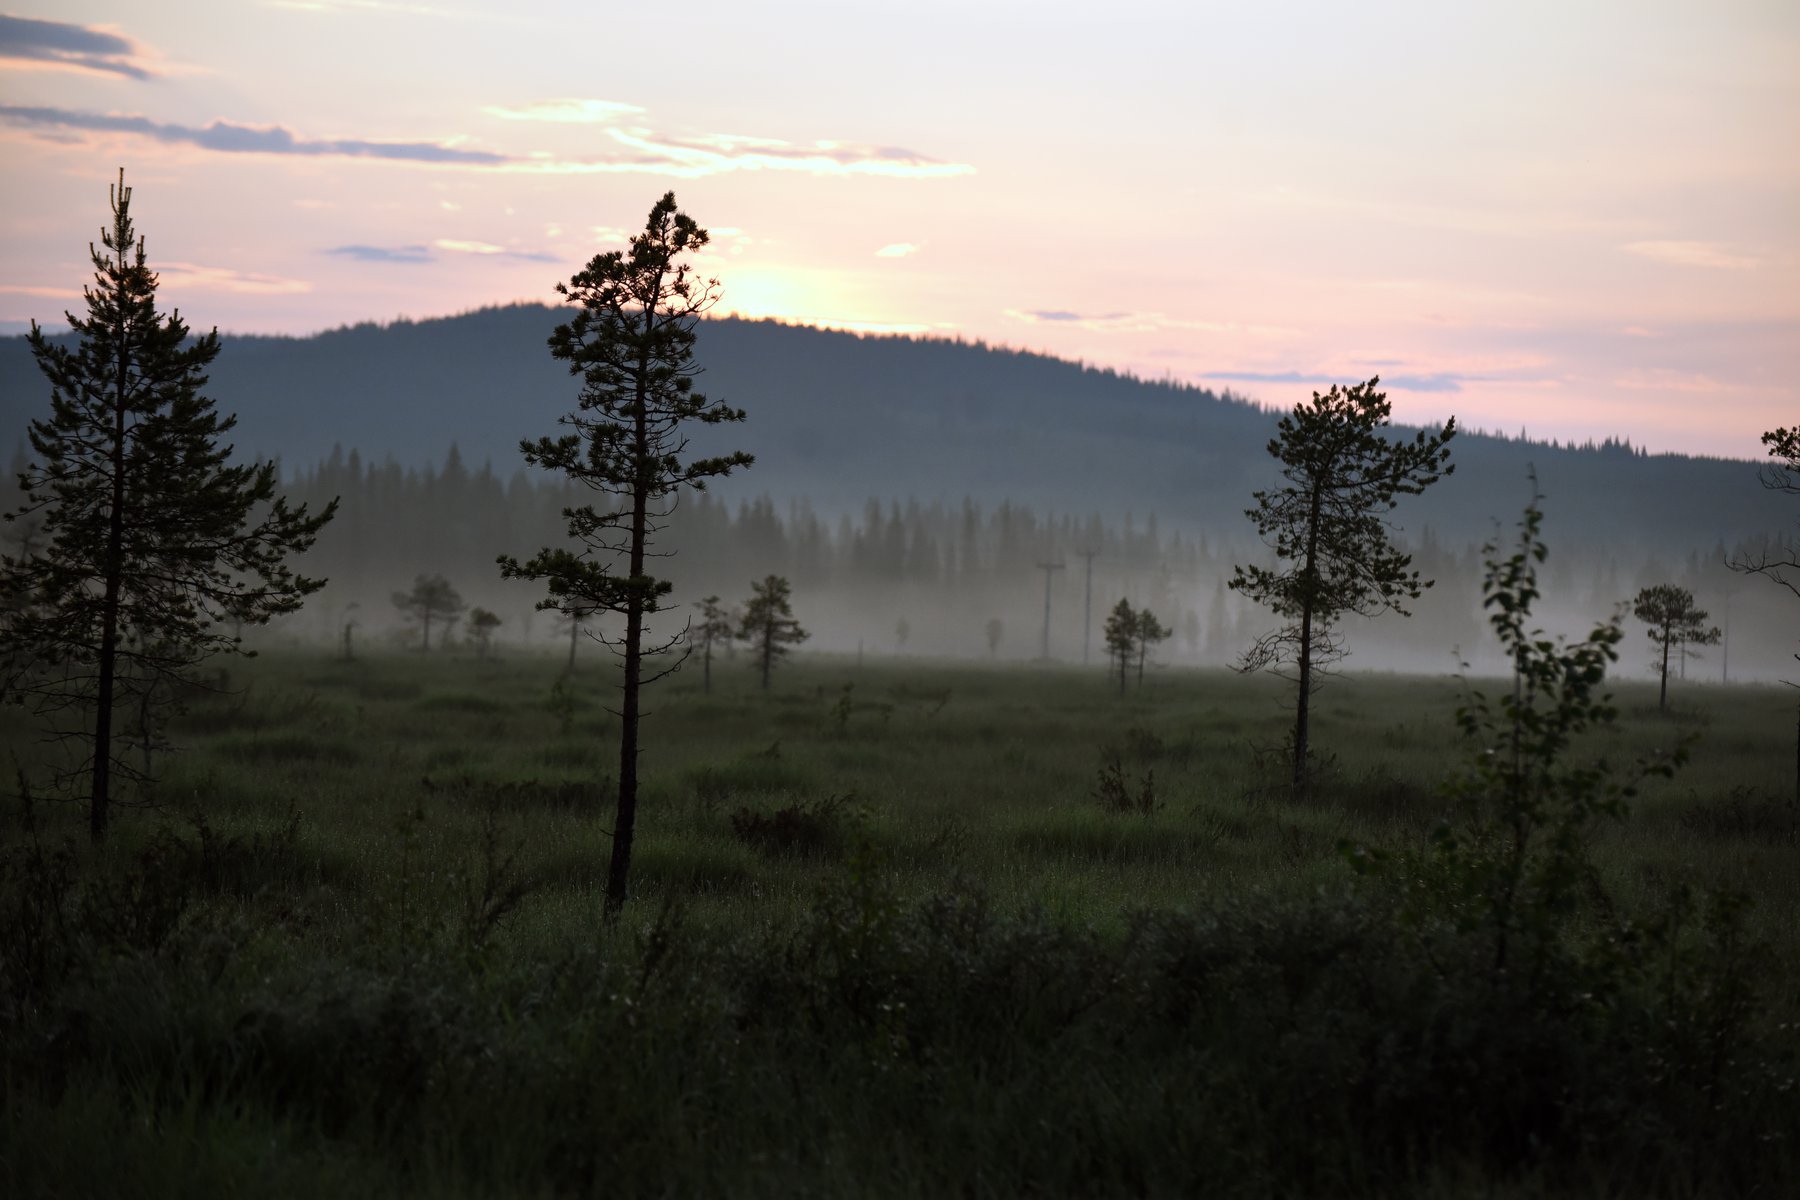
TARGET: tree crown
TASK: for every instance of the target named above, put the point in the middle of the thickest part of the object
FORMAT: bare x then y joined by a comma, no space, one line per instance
1330,520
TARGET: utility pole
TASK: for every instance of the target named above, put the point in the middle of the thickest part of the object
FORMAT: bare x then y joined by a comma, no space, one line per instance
1048,569
1087,606
1725,654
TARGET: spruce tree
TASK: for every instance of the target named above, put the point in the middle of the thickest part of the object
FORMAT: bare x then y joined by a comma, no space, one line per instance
631,342
154,545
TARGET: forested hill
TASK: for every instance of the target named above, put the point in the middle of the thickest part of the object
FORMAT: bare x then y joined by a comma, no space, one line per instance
838,418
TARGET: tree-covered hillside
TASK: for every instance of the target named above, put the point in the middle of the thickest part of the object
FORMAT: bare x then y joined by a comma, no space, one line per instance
836,418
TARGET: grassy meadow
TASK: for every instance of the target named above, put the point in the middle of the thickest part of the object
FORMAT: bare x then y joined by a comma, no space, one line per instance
905,928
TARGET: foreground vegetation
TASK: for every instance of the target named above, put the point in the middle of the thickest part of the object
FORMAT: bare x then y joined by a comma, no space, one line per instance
909,929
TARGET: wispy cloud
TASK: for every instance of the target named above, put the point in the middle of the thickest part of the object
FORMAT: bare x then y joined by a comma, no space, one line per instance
643,151
225,279
488,249
1662,379
640,152
48,293
416,253
384,254
61,46
366,6
1399,383
1139,322
570,111
1715,255
226,137
897,250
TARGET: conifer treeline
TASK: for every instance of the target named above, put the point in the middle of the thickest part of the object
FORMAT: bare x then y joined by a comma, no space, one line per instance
947,569
855,575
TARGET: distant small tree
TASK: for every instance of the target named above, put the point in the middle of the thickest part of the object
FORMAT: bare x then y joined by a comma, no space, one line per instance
716,627
142,543
1328,524
902,631
431,598
1674,623
1147,632
768,624
1120,632
574,618
996,629
482,624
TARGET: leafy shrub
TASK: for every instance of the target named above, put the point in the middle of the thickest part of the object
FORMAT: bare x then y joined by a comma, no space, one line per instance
801,828
1748,814
461,702
765,772
1114,793
569,795
288,747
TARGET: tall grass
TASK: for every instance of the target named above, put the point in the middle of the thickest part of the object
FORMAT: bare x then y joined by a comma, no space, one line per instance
899,946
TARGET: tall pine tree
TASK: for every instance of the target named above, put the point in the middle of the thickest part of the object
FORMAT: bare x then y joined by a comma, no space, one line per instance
631,342
1328,524
155,546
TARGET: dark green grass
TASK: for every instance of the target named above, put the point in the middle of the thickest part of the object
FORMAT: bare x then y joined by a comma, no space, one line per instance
883,939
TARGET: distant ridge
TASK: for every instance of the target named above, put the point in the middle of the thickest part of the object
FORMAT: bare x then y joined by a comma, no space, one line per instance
837,417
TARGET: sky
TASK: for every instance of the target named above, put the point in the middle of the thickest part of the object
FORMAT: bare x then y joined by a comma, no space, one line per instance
1576,220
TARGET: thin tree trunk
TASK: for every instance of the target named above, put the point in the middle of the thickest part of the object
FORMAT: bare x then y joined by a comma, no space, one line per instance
109,617
1307,601
706,666
574,632
625,823
427,648
768,654
1662,700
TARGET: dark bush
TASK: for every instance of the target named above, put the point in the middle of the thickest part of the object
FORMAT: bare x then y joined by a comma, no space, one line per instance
805,827
1748,814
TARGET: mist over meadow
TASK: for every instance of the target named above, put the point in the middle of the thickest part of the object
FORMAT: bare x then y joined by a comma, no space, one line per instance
912,489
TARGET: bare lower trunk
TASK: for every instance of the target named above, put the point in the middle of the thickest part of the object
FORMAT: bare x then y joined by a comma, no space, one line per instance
625,821
1308,601
100,795
101,792
1662,699
1302,706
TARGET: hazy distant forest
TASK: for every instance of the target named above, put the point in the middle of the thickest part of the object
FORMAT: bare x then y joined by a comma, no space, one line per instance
923,480
988,880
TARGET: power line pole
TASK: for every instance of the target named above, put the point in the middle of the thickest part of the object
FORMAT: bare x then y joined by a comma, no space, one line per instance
1087,607
1048,569
1725,657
